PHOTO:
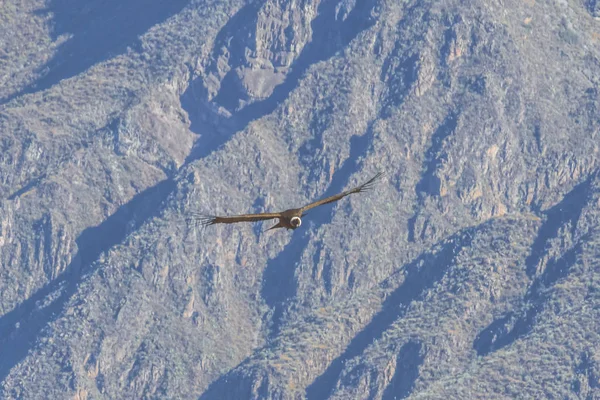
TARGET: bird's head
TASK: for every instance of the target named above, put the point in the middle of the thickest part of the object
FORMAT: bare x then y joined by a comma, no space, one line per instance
295,222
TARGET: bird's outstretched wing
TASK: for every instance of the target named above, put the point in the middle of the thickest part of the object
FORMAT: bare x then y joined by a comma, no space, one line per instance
359,189
206,220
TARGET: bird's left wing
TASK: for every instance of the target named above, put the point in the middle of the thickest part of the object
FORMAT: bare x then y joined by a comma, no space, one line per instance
206,220
359,189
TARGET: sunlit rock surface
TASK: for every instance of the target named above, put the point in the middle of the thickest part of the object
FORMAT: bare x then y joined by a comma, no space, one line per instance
472,270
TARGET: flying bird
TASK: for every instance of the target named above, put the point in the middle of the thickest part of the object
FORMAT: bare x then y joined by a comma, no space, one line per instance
290,219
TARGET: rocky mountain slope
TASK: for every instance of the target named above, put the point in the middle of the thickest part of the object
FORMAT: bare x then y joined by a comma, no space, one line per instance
471,271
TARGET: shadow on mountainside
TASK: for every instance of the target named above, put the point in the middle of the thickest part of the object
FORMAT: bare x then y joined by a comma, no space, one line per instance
20,327
100,29
515,324
421,274
408,361
567,211
429,184
330,35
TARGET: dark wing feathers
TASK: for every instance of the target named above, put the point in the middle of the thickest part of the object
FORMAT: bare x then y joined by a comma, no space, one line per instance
359,189
206,220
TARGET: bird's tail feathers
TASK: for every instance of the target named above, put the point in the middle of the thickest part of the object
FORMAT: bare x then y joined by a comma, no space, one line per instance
278,225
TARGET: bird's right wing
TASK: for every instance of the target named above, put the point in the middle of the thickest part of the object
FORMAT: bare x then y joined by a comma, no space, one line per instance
206,220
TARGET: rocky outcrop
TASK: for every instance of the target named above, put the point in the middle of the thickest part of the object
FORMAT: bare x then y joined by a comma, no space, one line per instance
470,271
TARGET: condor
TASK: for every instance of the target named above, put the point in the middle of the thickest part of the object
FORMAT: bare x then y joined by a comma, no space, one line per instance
290,219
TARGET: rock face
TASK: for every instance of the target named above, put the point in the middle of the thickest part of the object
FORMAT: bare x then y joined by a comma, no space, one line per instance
471,271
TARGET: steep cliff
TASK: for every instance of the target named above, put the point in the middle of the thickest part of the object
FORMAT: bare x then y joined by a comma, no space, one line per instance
471,271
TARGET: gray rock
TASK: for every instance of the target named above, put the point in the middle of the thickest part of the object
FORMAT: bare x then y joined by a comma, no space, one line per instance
469,272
